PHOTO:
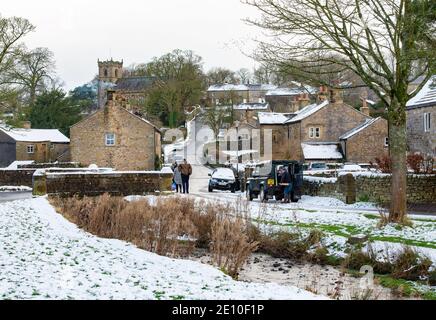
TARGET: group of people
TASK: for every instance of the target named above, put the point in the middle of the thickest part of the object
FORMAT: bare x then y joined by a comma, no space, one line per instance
181,175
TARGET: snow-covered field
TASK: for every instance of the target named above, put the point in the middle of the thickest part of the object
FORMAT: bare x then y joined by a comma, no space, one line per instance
43,256
338,221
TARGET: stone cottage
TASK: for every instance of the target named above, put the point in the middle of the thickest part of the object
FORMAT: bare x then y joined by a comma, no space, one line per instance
26,144
117,138
328,130
235,94
286,99
421,118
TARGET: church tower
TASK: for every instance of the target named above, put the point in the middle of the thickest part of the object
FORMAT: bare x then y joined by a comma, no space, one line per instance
109,72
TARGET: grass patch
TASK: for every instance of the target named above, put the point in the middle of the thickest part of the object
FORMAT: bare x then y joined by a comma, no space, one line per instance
405,288
347,231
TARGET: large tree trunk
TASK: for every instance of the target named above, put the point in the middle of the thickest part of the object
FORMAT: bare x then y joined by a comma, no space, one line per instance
398,149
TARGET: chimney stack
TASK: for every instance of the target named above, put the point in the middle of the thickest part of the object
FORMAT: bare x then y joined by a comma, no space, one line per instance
323,93
303,100
27,125
336,96
365,109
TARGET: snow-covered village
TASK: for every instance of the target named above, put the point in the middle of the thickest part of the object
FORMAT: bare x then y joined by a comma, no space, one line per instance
242,151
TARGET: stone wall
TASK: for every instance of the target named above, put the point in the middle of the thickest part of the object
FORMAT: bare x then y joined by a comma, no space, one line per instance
92,184
421,189
50,165
21,177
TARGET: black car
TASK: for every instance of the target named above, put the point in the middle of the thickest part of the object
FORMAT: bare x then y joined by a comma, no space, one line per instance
222,179
264,181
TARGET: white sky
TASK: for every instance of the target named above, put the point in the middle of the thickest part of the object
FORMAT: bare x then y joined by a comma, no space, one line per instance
81,31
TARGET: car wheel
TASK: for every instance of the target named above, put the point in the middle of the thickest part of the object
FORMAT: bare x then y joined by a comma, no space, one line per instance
210,189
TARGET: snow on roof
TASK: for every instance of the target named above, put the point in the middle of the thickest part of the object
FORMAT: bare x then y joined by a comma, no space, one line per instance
36,135
251,106
291,91
321,151
427,95
241,87
307,111
273,118
364,125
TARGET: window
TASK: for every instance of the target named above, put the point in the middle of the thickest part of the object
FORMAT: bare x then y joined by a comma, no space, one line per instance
30,148
105,72
110,139
314,132
386,142
217,101
116,73
245,101
427,122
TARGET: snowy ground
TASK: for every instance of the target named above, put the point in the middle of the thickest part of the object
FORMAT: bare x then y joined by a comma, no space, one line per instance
43,256
338,221
14,188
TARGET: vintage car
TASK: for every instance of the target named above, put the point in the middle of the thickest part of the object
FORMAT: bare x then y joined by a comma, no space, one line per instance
263,181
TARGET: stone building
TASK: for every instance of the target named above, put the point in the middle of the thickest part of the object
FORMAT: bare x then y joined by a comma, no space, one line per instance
289,99
26,144
248,112
315,132
235,94
421,118
133,89
116,137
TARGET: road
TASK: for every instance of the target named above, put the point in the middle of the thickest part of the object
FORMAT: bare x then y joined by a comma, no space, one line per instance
15,195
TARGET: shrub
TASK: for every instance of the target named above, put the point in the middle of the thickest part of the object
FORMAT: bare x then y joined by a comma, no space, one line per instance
409,265
230,246
415,162
432,278
384,164
172,226
290,245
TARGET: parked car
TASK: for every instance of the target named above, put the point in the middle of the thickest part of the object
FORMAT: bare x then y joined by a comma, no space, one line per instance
317,166
222,179
264,181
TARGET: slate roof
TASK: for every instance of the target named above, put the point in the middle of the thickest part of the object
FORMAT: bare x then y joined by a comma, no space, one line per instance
36,135
241,87
134,84
362,126
307,111
425,97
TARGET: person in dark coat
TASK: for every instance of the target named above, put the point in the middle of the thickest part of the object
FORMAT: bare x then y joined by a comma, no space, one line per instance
186,170
287,183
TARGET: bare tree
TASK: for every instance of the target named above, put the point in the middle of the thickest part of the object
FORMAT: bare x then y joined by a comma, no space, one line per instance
243,75
388,43
11,31
220,76
31,70
215,117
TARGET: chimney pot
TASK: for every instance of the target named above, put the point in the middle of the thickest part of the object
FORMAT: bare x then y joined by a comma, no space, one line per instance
27,125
